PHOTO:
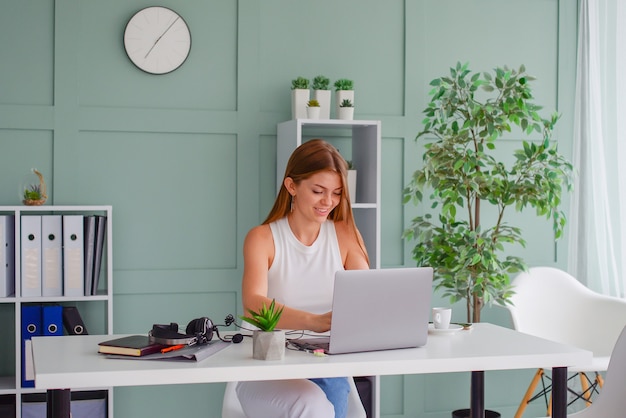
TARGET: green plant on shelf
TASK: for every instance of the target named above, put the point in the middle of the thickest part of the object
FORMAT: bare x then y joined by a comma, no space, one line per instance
346,103
313,103
300,83
321,82
344,84
32,192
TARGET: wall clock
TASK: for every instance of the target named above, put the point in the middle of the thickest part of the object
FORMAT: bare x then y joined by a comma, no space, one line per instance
157,40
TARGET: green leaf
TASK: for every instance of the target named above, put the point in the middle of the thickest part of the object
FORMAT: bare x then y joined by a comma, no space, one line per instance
265,318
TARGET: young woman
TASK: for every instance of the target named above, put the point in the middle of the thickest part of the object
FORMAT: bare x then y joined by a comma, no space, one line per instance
292,257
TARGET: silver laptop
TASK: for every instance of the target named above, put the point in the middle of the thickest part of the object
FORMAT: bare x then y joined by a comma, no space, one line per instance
379,309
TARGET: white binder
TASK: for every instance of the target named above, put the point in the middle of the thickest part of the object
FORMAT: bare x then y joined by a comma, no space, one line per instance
52,255
7,255
73,260
31,255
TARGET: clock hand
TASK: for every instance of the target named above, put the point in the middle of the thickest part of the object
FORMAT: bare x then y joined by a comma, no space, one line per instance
159,38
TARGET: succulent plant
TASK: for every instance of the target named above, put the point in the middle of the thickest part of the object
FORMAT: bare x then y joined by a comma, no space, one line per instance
265,318
346,103
32,192
344,84
300,83
321,83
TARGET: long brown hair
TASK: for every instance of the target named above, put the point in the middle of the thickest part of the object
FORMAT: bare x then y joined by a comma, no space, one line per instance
309,158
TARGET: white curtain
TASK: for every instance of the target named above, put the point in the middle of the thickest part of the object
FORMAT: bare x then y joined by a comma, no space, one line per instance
597,247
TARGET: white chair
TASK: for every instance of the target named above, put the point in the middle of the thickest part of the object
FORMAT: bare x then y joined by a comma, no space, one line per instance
611,403
231,408
551,304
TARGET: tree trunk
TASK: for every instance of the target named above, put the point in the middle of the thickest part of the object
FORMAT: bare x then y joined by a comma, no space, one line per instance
478,306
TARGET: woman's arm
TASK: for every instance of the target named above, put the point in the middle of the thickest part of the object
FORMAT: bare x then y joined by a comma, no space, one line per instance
258,254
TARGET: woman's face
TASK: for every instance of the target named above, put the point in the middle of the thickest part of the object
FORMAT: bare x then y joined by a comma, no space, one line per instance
318,195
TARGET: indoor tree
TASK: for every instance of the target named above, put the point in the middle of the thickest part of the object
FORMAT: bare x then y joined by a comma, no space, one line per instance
463,172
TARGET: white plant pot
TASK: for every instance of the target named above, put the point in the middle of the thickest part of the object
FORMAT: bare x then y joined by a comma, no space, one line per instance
313,112
346,113
323,97
352,185
299,100
268,345
341,95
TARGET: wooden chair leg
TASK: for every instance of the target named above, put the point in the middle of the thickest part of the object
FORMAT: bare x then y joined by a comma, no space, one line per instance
599,379
529,393
584,385
549,412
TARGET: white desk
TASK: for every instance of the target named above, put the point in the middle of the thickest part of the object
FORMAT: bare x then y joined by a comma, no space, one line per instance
73,362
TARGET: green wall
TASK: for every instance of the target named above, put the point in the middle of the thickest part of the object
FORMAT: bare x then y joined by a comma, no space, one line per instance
187,159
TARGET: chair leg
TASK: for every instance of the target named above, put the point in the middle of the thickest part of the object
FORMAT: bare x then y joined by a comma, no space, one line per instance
587,389
584,384
549,412
599,379
529,393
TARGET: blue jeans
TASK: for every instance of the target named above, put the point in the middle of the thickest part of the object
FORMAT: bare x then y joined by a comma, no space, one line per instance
336,390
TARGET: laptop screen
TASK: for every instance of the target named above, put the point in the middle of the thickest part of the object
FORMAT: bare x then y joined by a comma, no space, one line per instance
380,309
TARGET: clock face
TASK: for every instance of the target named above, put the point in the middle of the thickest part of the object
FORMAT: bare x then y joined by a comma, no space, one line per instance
157,40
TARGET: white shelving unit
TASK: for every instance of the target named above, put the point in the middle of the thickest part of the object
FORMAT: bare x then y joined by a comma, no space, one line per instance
365,136
11,385
366,144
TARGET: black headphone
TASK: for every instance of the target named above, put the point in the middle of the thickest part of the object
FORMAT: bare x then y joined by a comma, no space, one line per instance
198,331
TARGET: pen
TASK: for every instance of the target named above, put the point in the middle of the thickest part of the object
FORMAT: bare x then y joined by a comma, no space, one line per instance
172,348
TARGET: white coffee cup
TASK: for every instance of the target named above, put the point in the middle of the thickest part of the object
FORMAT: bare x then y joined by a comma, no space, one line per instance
441,317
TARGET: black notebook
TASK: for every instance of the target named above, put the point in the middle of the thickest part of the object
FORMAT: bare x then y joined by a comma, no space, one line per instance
132,345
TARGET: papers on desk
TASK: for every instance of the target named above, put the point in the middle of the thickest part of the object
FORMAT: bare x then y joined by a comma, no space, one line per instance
191,353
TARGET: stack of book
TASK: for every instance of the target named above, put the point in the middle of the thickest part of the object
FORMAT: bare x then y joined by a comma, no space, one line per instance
132,345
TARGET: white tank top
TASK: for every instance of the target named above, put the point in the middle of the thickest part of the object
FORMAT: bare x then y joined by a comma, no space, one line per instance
302,276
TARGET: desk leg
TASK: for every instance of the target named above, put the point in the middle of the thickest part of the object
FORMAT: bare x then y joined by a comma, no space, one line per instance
559,392
477,389
58,403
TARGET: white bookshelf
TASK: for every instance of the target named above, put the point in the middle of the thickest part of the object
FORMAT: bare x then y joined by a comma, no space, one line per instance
365,137
366,144
11,385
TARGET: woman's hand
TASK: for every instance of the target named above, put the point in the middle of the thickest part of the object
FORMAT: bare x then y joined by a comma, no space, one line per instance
320,323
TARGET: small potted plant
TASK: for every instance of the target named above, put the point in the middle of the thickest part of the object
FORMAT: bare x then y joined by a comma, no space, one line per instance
299,97
34,194
321,93
346,110
267,342
313,109
344,90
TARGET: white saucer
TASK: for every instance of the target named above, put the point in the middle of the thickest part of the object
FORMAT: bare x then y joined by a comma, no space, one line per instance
450,330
